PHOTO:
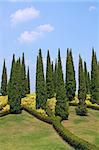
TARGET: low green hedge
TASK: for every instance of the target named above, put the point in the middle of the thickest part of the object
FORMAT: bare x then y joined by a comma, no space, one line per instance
92,106
38,115
73,140
4,113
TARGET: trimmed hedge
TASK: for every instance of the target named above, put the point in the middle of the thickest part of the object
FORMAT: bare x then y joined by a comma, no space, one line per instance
73,140
38,115
88,106
4,113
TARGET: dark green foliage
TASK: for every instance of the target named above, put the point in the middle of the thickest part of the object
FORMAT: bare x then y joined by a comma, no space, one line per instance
49,78
81,109
70,76
55,76
4,80
23,78
94,79
15,88
89,83
41,96
28,82
87,79
61,108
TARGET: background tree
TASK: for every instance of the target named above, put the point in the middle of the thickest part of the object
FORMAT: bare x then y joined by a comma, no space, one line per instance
81,109
28,82
23,77
49,77
4,80
94,79
70,76
86,78
55,76
89,83
41,95
14,88
61,108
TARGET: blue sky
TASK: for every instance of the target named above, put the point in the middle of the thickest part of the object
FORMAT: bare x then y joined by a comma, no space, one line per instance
27,26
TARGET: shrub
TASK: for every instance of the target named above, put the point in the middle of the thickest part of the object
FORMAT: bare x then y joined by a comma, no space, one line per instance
3,101
81,110
51,103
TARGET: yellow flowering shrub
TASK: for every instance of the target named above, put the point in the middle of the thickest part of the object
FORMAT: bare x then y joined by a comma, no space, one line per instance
41,111
29,101
51,103
88,102
3,101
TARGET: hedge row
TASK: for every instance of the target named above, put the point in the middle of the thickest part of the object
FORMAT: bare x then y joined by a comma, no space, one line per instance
88,106
73,140
4,113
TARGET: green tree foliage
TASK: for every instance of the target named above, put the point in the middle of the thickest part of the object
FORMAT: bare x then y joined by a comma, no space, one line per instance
55,76
41,94
94,79
89,83
70,76
49,77
4,80
86,78
81,109
28,82
14,87
61,108
23,78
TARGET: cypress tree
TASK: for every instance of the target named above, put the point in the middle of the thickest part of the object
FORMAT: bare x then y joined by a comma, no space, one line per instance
86,77
28,82
14,87
49,78
61,108
41,95
23,77
94,79
4,80
55,77
70,76
89,83
81,109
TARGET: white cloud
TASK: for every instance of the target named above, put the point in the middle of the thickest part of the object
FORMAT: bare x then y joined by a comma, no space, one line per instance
22,15
37,33
92,8
45,28
29,37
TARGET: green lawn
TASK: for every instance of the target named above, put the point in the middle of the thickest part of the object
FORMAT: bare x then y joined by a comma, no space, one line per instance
24,132
85,127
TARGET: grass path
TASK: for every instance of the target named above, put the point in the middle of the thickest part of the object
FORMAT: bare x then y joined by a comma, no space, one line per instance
85,127
24,132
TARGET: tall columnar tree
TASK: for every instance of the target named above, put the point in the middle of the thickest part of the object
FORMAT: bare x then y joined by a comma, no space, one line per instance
94,79
81,109
86,77
89,83
23,77
70,76
14,88
61,108
4,80
49,77
41,94
55,76
28,82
